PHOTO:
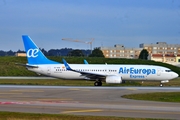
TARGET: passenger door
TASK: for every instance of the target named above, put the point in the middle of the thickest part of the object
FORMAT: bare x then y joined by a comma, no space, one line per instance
158,72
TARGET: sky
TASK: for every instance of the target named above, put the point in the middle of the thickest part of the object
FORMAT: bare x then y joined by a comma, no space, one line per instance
109,22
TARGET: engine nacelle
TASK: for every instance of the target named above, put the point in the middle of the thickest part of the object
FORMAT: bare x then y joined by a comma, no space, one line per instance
165,81
113,79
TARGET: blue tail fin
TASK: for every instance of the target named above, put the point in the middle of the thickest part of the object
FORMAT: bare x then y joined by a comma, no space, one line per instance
34,54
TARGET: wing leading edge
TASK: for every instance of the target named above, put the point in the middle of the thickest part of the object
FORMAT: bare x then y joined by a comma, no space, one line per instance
88,74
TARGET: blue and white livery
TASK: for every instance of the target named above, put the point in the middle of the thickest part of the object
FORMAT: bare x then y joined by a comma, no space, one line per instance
38,63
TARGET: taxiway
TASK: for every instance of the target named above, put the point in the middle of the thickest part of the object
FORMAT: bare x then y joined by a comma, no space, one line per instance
97,101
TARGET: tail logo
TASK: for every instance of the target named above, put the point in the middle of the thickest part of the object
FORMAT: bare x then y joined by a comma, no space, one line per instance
32,53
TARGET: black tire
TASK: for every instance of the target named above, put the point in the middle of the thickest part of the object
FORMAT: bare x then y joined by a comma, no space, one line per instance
100,83
123,81
96,83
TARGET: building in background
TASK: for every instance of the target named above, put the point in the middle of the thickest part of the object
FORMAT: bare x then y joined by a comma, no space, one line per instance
20,54
163,52
161,48
119,51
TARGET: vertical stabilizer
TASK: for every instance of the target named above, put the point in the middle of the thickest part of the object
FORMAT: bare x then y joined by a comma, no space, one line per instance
34,54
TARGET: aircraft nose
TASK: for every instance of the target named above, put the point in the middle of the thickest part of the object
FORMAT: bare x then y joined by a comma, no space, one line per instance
175,75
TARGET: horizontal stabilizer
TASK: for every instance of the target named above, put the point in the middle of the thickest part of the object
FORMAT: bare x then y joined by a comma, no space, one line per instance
26,65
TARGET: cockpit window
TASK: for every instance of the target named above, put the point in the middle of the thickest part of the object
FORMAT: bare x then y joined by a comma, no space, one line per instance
168,71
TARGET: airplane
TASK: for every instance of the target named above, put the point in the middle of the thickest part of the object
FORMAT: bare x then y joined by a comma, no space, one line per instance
39,63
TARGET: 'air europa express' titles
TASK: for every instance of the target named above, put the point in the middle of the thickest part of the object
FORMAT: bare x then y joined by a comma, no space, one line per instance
136,73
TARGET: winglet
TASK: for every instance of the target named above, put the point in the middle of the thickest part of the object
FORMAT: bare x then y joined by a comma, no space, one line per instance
66,65
85,61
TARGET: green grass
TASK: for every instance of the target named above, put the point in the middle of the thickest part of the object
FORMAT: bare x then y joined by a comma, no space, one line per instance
59,82
158,96
32,116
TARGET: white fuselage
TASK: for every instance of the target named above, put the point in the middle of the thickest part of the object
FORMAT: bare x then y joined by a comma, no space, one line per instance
127,72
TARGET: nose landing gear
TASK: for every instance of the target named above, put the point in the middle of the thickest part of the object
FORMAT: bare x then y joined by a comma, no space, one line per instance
164,81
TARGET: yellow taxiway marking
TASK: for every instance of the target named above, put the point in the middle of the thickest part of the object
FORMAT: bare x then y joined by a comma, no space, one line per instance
81,111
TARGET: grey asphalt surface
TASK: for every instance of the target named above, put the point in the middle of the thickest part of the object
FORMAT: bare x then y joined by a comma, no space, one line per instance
96,101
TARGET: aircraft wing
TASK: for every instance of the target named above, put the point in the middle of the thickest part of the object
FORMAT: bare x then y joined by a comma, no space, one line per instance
84,73
91,75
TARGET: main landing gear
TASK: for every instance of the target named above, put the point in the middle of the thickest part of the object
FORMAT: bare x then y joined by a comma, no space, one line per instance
98,83
161,85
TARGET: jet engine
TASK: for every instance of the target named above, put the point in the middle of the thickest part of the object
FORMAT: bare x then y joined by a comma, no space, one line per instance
113,79
164,81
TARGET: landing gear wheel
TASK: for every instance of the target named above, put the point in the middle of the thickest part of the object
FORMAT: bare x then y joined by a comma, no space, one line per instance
98,83
161,85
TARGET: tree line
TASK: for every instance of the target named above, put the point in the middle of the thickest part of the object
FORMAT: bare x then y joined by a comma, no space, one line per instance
71,52
60,52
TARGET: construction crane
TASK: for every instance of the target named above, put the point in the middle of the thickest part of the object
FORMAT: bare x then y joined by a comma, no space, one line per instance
80,41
